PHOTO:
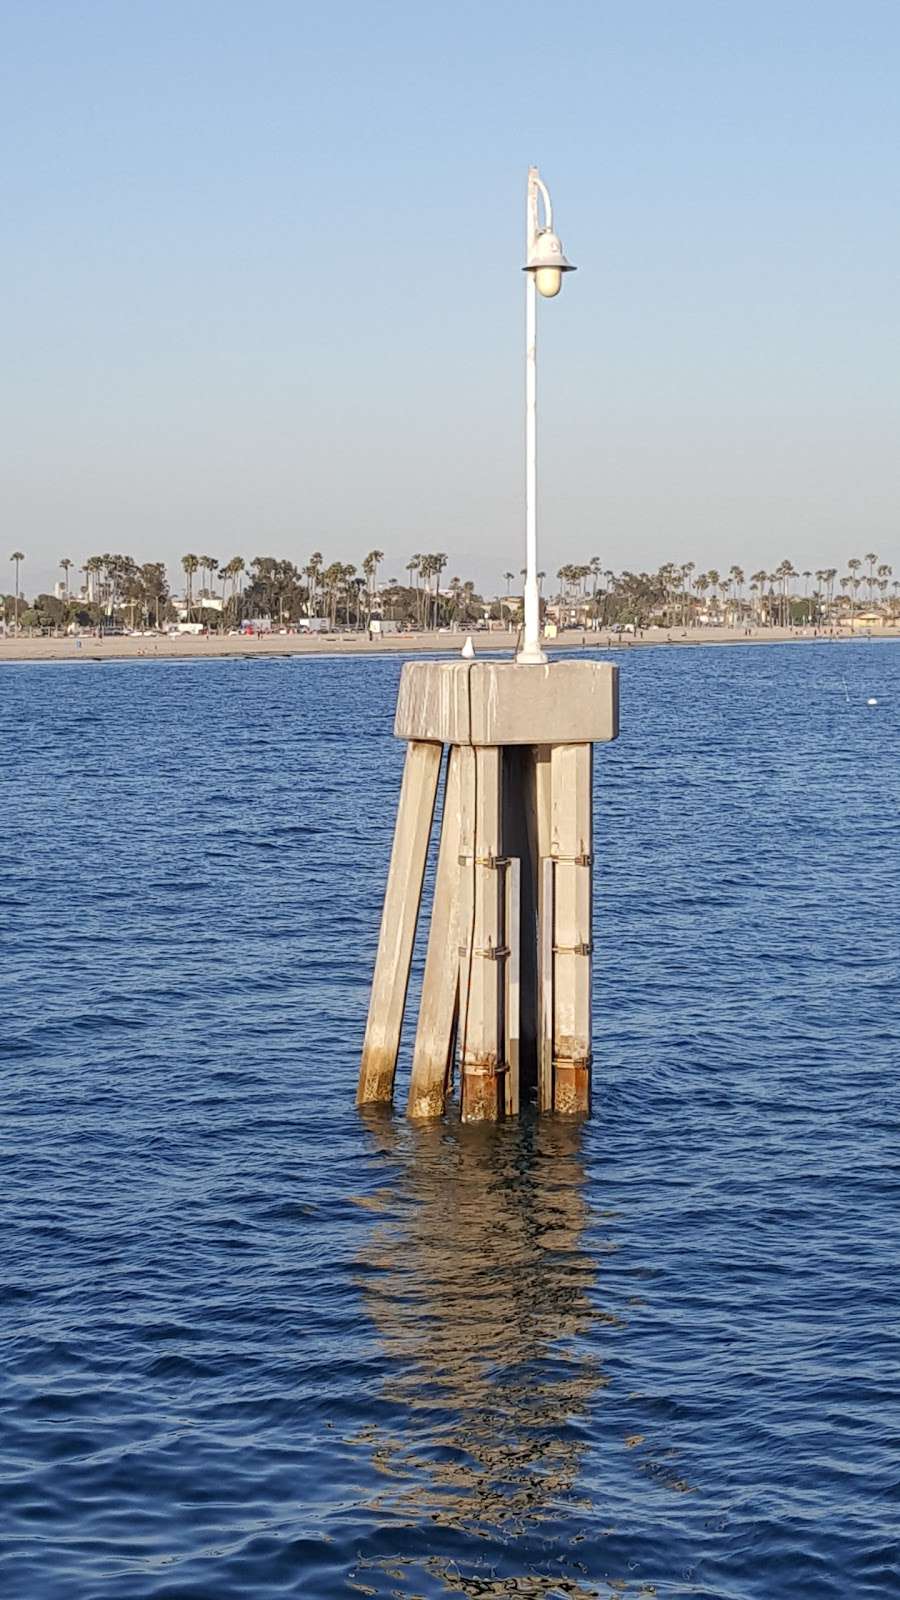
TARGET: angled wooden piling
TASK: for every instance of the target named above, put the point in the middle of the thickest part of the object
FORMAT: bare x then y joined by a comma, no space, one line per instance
412,831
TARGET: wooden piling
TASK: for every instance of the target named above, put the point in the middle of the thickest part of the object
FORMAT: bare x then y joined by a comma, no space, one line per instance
412,831
439,1007
545,891
570,803
482,1041
512,935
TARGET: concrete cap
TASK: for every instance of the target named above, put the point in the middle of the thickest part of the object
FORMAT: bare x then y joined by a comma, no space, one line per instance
505,702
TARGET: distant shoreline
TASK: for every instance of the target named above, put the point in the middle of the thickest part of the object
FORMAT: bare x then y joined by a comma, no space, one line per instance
189,647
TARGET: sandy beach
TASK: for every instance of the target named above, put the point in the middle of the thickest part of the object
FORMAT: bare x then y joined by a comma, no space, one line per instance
189,647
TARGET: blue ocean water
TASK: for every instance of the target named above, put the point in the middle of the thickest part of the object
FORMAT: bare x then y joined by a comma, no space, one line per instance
256,1345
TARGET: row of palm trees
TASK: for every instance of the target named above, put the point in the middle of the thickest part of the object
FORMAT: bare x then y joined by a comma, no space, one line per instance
277,587
118,586
680,592
337,592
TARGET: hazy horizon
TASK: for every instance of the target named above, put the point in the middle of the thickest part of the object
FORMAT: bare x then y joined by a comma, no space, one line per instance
264,295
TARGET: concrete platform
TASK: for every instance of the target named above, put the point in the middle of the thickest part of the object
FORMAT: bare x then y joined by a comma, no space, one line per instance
502,703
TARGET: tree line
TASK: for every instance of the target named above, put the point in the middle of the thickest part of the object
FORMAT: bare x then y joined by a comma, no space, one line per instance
118,589
676,594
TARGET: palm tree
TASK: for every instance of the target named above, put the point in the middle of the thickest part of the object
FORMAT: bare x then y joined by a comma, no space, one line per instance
806,578
426,568
429,568
66,564
92,569
686,570
312,573
821,575
790,573
414,566
781,577
370,568
207,566
332,578
853,567
348,574
355,587
17,556
238,568
190,564
668,576
871,558
439,561
123,573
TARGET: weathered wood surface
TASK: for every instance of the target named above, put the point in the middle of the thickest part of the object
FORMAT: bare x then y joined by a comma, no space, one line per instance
544,1000
570,784
438,1011
482,1042
399,916
513,937
545,997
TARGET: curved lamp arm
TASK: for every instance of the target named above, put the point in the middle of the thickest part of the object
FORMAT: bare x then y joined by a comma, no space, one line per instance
536,186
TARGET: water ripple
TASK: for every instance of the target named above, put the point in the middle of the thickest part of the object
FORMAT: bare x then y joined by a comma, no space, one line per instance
256,1345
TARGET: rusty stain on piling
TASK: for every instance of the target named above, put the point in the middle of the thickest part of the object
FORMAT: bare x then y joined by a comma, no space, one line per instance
482,1098
572,1087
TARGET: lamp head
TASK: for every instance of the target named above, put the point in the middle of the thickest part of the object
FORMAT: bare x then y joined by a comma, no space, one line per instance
547,262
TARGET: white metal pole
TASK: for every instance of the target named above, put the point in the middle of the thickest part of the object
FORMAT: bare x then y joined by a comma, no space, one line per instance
531,652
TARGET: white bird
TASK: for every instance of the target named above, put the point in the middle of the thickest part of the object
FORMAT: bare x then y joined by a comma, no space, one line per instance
468,650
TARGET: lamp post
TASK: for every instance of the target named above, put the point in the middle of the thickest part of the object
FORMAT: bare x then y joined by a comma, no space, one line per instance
543,270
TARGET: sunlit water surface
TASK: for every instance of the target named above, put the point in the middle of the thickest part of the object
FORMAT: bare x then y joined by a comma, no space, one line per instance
255,1345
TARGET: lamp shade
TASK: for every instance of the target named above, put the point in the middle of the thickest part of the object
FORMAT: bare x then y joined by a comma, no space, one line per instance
546,251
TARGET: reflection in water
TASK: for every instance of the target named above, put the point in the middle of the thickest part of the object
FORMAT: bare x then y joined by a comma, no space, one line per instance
477,1282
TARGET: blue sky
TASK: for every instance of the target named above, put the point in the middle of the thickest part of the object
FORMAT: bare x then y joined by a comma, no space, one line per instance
261,287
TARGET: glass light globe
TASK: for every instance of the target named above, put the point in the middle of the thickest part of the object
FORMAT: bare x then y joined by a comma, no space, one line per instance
549,281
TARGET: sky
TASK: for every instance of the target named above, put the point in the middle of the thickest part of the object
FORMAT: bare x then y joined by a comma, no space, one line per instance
261,289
